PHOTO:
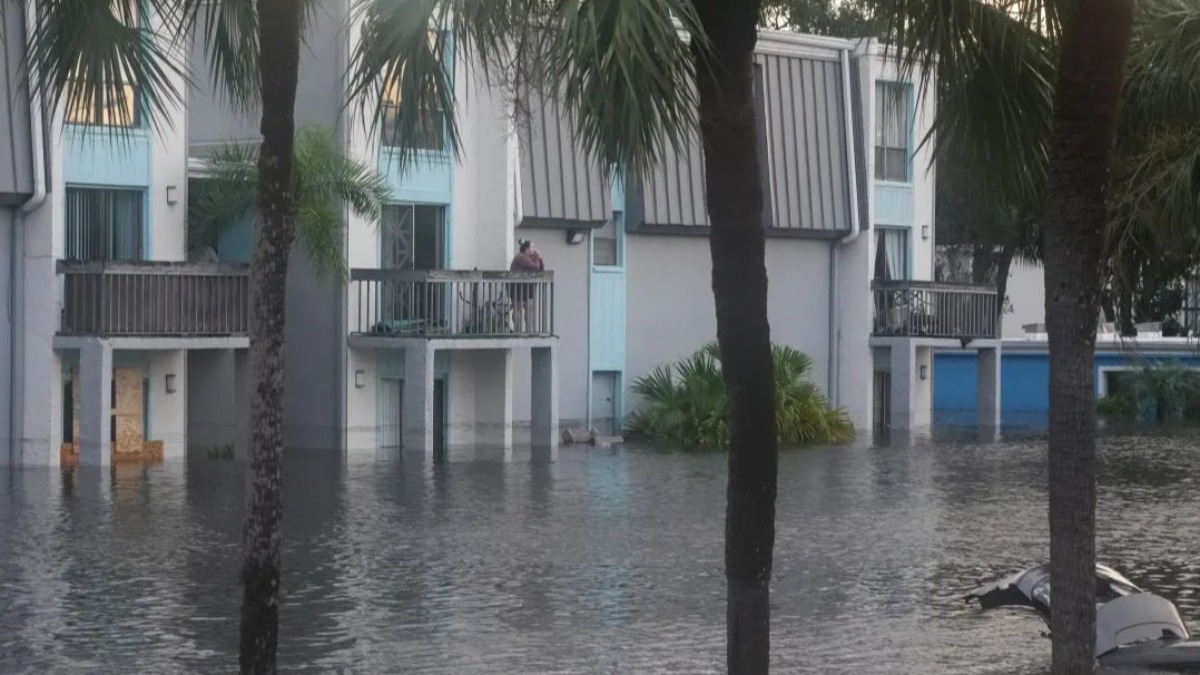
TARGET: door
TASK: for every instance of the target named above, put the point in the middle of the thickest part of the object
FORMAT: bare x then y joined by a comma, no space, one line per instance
439,415
606,413
412,237
391,415
882,400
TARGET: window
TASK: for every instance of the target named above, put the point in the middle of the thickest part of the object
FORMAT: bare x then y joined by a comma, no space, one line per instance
431,130
119,107
892,124
891,254
605,250
412,237
103,224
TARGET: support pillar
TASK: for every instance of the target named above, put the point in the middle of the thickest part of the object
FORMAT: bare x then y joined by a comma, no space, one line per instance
543,408
418,398
904,384
493,399
95,403
989,387
168,402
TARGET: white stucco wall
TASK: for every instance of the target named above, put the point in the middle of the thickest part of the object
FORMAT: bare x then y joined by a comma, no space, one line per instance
168,411
360,402
671,311
1027,293
168,170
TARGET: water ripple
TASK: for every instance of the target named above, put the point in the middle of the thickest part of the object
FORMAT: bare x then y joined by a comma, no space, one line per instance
598,563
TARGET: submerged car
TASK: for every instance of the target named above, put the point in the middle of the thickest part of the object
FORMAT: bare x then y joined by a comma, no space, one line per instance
1133,627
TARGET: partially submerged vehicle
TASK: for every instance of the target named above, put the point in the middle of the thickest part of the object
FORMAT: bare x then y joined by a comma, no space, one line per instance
1133,627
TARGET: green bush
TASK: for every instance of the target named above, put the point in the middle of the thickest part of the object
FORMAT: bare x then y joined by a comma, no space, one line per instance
685,403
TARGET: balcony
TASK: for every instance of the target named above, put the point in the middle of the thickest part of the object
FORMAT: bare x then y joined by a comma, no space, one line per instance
154,299
935,310
452,304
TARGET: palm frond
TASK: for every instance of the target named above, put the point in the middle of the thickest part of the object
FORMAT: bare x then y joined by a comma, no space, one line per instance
326,182
228,33
616,64
226,197
327,174
109,63
685,405
991,67
319,233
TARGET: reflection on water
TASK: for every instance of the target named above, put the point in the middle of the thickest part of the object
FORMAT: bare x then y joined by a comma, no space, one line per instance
600,562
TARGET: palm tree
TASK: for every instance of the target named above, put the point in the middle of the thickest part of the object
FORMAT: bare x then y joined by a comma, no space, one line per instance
325,182
617,63
1030,92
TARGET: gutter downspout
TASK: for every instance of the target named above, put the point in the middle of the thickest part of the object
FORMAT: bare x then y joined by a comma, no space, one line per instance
835,315
16,288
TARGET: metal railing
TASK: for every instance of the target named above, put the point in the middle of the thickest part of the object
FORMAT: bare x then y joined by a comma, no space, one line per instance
172,299
446,303
928,309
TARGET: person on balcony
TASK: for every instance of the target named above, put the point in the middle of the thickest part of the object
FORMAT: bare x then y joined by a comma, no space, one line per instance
523,296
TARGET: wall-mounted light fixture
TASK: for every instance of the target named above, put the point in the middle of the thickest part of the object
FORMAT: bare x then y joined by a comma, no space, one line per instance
575,237
360,379
170,383
924,231
172,195
924,372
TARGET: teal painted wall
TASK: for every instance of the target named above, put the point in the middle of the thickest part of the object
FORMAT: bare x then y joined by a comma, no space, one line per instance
607,307
102,157
606,319
893,204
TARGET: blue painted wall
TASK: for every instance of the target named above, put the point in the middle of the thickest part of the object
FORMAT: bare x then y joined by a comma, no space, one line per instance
102,157
1024,379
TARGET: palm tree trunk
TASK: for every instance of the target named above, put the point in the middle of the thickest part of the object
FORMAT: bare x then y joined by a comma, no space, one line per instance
279,38
1094,45
1003,266
725,80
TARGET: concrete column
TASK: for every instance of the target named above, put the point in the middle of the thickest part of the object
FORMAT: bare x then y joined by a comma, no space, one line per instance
493,398
904,384
168,409
989,387
418,398
544,398
95,403
923,390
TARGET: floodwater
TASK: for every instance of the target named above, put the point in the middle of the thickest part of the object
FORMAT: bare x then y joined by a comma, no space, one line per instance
600,562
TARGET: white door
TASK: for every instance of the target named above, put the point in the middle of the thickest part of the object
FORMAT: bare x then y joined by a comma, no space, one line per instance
391,419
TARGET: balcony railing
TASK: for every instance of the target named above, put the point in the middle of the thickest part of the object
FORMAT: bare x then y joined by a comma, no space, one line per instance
446,303
149,299
927,309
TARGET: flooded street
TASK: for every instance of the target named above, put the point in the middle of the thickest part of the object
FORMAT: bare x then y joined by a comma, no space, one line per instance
600,562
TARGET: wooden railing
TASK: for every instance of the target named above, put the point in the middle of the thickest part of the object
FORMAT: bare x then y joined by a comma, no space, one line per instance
447,303
167,299
927,309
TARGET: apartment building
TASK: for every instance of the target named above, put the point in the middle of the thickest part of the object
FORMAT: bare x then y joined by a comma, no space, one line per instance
110,332
420,350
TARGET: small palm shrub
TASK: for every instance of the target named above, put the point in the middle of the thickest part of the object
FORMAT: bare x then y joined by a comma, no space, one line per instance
685,403
1156,392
